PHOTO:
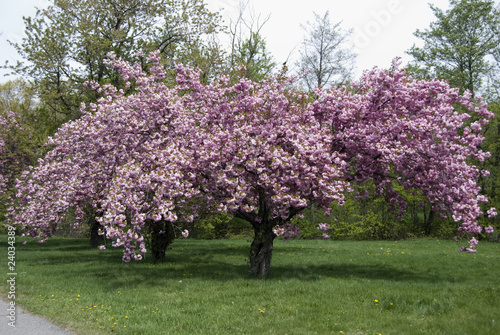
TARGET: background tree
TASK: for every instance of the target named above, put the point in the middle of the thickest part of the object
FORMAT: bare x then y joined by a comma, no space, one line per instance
8,124
459,46
25,127
66,43
326,59
248,46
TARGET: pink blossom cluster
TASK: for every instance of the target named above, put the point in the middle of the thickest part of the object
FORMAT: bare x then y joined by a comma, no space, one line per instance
324,227
288,231
3,123
262,151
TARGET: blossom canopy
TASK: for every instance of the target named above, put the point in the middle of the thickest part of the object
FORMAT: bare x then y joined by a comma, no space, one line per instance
262,151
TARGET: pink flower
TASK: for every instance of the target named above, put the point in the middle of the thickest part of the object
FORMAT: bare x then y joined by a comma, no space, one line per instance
325,235
492,212
278,231
185,233
323,226
489,230
102,247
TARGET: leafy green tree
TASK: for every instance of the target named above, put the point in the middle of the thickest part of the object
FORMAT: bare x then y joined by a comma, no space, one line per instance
459,46
248,46
25,127
66,43
253,54
24,143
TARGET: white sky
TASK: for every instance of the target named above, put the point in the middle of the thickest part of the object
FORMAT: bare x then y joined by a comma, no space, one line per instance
383,29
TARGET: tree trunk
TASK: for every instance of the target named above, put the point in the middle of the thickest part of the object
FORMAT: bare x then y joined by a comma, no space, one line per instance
96,239
414,214
429,222
261,250
162,235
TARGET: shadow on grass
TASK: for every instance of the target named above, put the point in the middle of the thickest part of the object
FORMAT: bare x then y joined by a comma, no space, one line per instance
59,244
218,262
219,272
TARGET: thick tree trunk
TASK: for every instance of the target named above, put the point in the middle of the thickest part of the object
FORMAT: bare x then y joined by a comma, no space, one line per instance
96,239
162,235
261,250
429,223
91,215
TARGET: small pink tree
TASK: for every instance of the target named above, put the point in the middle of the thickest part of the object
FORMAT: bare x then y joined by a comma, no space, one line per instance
261,151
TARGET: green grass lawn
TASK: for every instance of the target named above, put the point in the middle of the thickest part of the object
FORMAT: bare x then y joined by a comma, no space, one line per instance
317,287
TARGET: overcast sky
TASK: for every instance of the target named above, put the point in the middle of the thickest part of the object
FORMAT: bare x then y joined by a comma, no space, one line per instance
382,29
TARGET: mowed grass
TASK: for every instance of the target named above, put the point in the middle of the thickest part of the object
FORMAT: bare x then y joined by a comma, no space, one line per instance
317,287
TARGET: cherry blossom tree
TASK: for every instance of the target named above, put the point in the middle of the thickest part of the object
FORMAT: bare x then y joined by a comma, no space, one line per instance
87,154
262,151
